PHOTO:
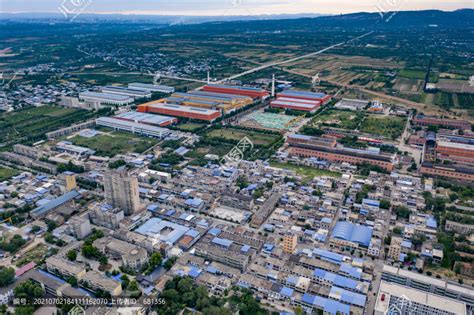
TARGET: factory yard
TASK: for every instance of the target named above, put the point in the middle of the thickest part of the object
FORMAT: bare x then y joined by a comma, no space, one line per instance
308,172
338,118
114,143
269,121
388,127
260,139
190,127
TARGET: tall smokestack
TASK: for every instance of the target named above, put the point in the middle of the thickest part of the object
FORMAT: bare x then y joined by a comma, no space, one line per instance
273,85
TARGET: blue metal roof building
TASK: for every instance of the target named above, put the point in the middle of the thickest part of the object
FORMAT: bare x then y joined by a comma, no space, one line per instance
285,291
328,256
370,202
431,223
350,232
222,242
53,204
327,305
348,297
350,271
337,280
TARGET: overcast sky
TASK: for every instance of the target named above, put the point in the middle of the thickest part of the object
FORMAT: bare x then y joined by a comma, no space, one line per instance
230,7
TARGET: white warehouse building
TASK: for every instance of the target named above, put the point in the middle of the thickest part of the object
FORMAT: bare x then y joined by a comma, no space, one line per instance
133,127
151,87
106,98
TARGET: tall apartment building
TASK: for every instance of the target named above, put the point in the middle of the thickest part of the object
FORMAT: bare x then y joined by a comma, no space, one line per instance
395,248
80,227
290,241
106,216
68,180
121,191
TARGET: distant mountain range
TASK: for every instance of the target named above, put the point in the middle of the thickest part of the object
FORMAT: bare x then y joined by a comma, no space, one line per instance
160,19
463,18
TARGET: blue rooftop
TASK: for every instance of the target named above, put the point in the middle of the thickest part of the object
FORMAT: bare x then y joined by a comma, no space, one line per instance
329,306
351,271
194,202
348,296
245,249
370,202
152,208
194,272
431,223
288,292
348,231
43,210
214,231
222,241
328,256
192,233
326,220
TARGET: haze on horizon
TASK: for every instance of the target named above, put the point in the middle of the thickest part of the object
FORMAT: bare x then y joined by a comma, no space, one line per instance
229,7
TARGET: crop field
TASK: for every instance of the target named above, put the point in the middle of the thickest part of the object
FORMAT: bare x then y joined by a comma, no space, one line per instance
257,138
115,143
6,173
408,85
412,74
31,125
389,127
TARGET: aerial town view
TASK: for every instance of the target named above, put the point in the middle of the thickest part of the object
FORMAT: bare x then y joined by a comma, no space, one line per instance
237,157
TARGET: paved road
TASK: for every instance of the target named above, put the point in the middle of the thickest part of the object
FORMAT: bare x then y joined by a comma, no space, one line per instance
402,146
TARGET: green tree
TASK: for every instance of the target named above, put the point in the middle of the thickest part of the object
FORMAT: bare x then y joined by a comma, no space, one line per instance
125,281
71,255
402,212
397,230
90,251
103,260
169,263
155,260
7,275
133,286
385,204
72,281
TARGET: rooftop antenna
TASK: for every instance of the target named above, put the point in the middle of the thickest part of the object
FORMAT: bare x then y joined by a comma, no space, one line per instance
273,85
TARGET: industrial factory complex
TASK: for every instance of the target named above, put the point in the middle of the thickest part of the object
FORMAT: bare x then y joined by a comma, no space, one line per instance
329,149
207,104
